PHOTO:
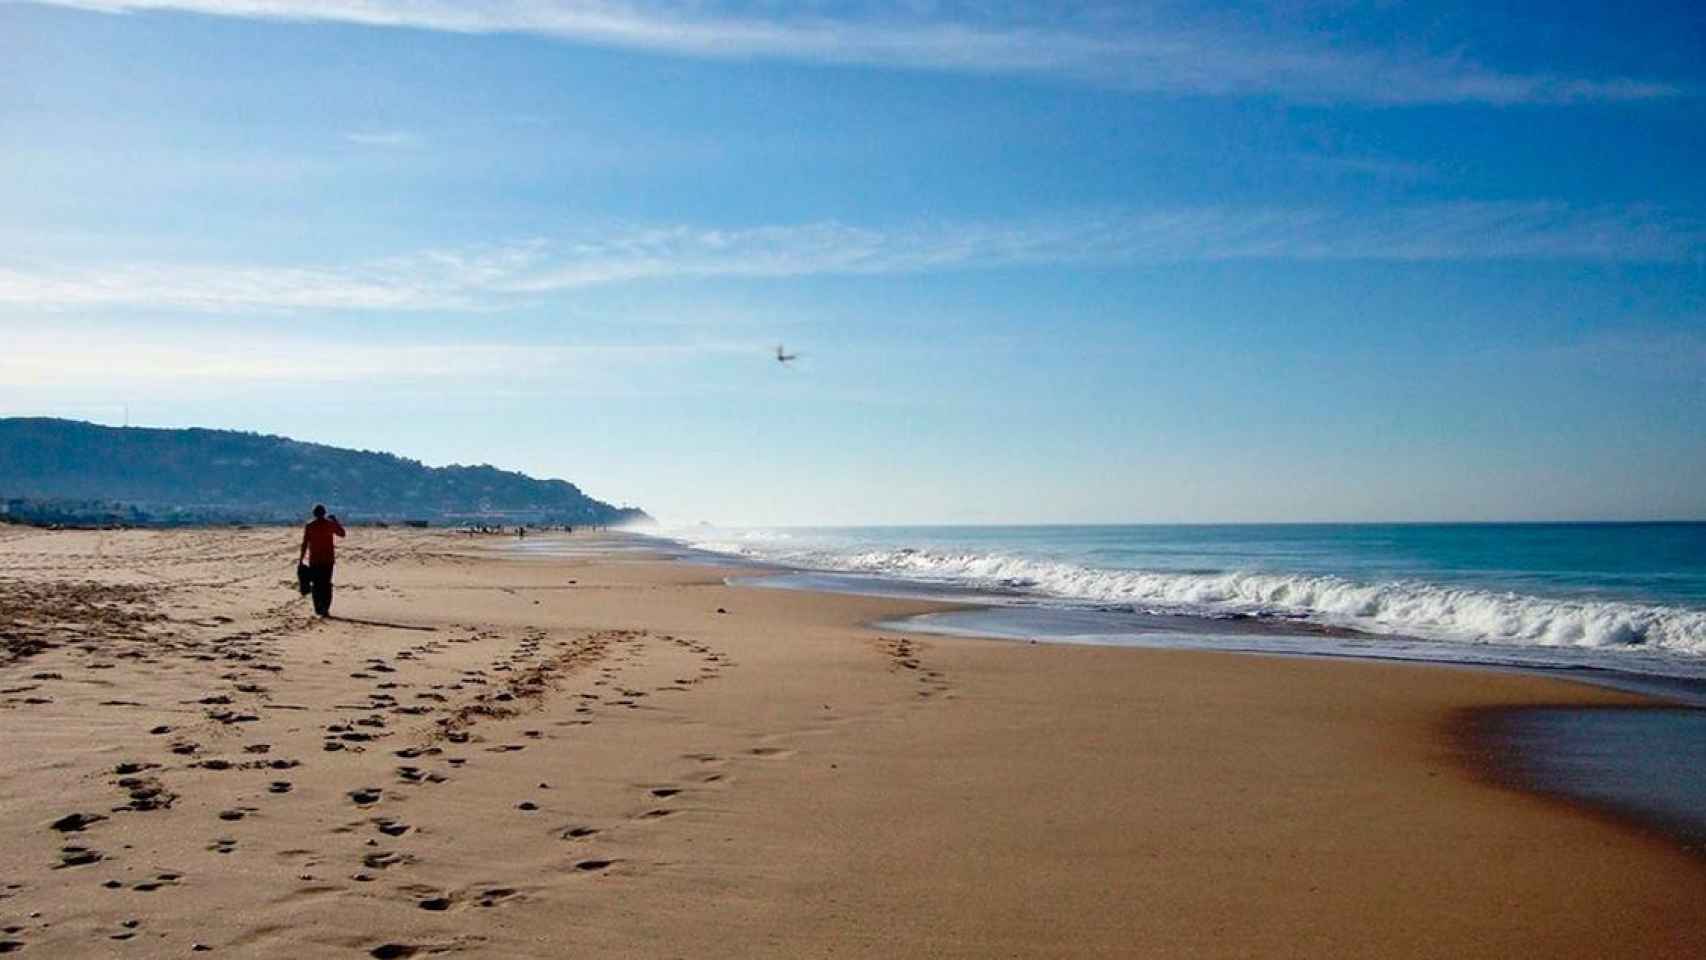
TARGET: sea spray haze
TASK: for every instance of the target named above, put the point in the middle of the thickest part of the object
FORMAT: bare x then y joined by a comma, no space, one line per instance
1637,589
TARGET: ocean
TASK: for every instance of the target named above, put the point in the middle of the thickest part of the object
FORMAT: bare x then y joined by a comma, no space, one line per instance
1627,598
1619,604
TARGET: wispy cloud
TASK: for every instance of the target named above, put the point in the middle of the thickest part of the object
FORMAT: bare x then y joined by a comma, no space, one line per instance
394,139
494,277
1367,166
114,356
1187,55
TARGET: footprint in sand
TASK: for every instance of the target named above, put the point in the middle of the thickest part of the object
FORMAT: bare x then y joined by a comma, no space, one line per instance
386,860
78,857
76,822
497,895
400,951
160,880
229,717
147,794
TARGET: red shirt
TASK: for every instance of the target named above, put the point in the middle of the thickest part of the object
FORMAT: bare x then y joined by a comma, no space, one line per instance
317,537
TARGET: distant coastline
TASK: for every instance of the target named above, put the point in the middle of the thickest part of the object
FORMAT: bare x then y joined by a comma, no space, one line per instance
72,473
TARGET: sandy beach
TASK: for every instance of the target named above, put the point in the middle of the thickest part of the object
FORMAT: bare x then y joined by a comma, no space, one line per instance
610,755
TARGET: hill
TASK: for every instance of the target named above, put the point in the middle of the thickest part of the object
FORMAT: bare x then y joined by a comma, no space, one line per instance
67,470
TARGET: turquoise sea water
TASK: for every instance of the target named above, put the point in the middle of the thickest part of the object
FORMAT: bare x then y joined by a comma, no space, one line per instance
1623,596
1620,604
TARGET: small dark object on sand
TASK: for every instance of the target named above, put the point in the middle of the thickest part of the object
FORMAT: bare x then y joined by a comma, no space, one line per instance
76,822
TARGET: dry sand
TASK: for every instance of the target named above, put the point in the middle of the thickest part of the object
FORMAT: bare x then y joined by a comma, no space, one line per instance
555,758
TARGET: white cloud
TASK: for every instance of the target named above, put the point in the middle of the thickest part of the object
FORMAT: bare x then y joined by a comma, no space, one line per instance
108,356
1190,56
426,280
396,139
494,277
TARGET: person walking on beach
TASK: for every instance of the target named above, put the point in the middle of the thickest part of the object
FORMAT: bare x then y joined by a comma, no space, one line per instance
318,553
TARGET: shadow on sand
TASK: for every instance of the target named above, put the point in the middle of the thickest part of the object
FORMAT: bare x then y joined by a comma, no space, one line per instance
381,623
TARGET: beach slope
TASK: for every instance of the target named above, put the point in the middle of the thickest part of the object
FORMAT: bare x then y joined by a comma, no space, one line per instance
602,753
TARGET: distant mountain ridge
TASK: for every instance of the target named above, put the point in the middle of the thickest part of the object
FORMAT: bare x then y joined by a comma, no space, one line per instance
197,475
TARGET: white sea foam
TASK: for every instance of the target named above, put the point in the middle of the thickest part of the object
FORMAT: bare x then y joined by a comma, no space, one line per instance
1403,607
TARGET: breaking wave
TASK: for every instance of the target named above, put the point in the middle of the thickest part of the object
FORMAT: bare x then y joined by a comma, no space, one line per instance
1399,607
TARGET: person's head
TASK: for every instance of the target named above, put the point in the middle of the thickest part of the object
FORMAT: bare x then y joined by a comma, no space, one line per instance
319,511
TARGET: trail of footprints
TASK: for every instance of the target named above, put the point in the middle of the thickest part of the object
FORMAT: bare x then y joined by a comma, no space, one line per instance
120,623
518,682
82,611
505,690
431,710
905,657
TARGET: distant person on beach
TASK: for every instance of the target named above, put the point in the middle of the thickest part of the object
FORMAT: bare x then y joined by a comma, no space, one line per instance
318,553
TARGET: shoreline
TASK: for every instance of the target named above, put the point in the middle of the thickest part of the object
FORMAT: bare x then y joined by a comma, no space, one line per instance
1531,763
1539,750
1370,585
965,597
506,756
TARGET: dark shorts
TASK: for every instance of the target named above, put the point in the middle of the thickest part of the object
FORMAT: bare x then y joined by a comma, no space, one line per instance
320,585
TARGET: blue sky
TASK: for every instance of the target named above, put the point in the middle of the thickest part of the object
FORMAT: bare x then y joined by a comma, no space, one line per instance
1044,262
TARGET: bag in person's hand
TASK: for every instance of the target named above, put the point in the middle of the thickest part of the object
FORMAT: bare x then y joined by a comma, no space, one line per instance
304,581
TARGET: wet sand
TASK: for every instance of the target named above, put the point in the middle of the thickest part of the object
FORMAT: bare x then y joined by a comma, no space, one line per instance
537,757
1644,765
